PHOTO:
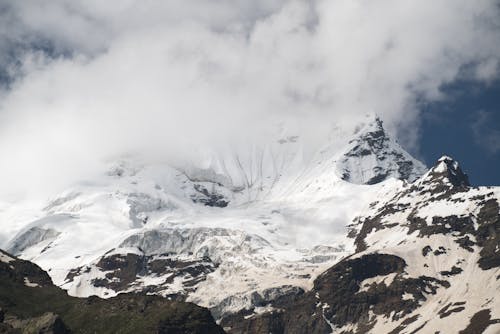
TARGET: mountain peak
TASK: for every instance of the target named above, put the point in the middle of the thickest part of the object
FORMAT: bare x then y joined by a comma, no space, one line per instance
372,156
370,123
448,171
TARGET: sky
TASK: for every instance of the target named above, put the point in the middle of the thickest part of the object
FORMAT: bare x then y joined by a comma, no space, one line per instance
466,126
85,81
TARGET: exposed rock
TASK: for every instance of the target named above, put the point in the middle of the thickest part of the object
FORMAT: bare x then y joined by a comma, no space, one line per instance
427,239
449,171
373,157
48,309
337,299
271,299
209,198
488,234
451,308
433,188
19,271
47,323
479,322
123,272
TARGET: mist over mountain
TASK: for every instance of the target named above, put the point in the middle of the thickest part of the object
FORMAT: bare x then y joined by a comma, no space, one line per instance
249,167
87,82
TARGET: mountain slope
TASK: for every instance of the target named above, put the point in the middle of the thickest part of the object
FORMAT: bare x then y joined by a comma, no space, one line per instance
427,259
30,303
269,219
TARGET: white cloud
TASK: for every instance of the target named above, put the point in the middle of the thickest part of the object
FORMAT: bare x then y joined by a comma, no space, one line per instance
163,77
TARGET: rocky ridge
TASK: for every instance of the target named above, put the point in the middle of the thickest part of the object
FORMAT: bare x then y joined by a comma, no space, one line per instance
373,156
427,260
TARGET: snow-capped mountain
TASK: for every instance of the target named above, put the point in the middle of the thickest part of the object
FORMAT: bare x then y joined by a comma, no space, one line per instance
372,157
274,240
250,233
268,220
427,259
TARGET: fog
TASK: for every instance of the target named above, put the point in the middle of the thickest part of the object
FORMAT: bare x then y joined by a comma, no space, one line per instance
89,81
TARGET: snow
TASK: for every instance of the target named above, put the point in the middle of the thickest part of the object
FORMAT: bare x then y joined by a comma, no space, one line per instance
30,284
445,209
473,286
407,296
373,156
444,158
286,221
387,280
5,258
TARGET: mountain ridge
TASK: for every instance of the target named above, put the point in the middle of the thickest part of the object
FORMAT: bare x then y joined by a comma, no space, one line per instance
272,231
421,263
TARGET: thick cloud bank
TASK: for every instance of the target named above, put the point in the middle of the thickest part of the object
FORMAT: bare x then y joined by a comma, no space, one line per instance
86,81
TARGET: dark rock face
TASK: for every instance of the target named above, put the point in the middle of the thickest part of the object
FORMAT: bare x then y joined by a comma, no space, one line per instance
451,308
209,198
47,323
488,235
123,271
480,322
276,298
298,317
451,171
44,308
23,271
339,299
442,181
374,223
340,287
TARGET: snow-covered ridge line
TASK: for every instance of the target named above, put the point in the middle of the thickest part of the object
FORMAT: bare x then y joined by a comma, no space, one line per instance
267,218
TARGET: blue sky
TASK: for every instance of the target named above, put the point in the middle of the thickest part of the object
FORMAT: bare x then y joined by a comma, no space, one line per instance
467,127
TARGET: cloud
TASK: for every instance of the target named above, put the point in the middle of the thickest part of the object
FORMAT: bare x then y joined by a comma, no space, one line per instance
162,78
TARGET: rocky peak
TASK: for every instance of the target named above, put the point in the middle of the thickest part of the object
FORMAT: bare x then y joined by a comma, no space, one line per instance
372,156
372,133
446,172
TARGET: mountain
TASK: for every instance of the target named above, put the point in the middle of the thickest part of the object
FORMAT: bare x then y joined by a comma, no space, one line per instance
256,234
372,157
269,219
427,260
30,303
